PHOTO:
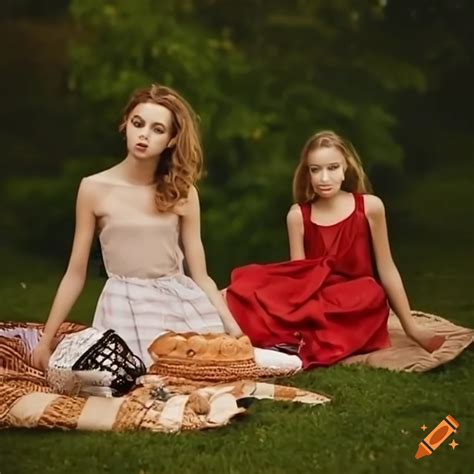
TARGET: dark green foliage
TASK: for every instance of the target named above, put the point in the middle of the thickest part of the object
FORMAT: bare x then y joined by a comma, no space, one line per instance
392,76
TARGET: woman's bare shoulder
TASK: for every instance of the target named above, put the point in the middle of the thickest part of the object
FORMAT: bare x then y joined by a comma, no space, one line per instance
294,214
94,185
108,176
185,205
373,205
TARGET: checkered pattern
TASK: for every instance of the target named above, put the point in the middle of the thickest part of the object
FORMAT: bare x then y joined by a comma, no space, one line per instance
139,310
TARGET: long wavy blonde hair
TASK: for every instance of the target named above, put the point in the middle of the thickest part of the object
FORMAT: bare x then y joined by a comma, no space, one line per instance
180,166
355,179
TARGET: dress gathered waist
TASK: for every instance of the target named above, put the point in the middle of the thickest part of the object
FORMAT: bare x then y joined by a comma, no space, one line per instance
145,281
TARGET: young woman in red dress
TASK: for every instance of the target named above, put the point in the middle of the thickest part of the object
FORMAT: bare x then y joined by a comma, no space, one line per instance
328,302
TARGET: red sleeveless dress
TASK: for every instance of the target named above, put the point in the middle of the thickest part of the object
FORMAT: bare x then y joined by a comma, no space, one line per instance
329,305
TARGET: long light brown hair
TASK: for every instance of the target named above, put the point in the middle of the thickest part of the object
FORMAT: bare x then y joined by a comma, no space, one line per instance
180,165
355,179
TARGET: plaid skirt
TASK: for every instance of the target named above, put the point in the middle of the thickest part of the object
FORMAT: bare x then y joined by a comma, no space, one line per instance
140,309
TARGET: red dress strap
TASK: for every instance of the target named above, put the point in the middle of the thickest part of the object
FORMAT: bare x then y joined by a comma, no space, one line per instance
359,203
307,227
306,211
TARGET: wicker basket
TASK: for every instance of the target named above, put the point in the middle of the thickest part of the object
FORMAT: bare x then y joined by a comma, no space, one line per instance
111,354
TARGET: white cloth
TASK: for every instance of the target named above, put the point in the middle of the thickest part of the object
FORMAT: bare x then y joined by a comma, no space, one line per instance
271,359
29,336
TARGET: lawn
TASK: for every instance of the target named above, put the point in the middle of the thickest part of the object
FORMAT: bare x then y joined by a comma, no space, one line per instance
372,425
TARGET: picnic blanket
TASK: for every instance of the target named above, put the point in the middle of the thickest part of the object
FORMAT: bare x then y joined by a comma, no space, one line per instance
407,356
27,400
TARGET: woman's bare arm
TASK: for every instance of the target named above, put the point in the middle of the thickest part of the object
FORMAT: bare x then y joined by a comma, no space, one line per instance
73,280
390,276
294,222
196,261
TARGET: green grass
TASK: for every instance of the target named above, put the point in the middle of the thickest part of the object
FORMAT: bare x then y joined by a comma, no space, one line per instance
372,425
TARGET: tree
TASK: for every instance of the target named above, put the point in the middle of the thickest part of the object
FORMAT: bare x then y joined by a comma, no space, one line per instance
262,76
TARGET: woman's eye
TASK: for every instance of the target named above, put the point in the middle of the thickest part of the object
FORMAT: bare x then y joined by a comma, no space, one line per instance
158,130
136,123
334,167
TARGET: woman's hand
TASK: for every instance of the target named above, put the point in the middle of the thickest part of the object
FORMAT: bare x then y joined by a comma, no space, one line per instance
233,329
196,260
429,340
40,356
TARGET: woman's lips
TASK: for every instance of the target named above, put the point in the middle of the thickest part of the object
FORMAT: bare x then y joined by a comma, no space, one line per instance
141,146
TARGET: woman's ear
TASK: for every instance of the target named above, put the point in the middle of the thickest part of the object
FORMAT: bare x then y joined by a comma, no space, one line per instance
172,143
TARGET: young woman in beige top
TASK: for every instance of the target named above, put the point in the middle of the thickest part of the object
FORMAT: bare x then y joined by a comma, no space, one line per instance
142,209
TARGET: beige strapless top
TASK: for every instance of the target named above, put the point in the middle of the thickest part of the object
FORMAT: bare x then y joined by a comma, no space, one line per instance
136,239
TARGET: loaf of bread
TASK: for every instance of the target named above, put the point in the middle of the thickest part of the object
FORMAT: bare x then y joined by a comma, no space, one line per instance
201,347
